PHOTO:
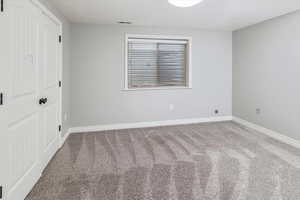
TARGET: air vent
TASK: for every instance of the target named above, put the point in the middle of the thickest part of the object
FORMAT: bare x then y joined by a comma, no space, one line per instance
125,22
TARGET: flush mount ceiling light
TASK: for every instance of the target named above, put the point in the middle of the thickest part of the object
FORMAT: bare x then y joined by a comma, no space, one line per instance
184,3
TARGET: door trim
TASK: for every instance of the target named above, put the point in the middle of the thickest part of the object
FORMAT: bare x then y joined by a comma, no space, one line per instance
48,13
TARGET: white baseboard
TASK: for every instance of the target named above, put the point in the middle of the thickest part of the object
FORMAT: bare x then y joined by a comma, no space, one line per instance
147,124
268,132
64,138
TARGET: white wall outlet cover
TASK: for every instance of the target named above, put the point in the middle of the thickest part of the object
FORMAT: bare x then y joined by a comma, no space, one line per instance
171,107
258,111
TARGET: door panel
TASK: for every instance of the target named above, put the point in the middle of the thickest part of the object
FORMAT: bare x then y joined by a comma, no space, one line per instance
50,114
23,135
49,73
51,54
22,41
21,123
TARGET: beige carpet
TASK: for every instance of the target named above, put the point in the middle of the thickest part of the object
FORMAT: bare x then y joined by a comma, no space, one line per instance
213,161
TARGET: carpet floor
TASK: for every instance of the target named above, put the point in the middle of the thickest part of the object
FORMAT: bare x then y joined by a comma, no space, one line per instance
211,161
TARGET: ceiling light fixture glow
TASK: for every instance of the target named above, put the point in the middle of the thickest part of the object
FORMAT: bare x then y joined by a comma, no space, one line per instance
184,3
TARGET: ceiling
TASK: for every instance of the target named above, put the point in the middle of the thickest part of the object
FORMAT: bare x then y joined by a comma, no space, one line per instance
210,14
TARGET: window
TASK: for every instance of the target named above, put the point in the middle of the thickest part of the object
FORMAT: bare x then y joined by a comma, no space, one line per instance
157,62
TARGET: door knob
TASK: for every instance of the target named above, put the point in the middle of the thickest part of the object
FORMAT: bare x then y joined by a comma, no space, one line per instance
43,101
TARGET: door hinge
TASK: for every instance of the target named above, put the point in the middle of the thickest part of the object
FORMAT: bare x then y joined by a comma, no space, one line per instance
2,6
59,39
59,128
1,99
1,192
59,83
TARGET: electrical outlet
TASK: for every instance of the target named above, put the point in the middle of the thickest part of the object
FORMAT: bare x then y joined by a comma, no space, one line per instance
215,111
65,117
171,107
258,111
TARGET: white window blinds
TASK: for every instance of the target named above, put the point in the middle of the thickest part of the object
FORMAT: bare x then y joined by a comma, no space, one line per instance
156,63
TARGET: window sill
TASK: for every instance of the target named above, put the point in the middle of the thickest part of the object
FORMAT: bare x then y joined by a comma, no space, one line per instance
156,88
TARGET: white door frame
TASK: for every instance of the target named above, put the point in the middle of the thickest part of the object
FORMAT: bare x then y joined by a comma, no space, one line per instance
48,13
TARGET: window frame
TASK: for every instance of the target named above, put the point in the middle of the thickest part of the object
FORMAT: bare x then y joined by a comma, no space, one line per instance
160,37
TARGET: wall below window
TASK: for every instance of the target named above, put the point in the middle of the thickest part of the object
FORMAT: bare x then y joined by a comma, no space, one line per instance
266,68
97,78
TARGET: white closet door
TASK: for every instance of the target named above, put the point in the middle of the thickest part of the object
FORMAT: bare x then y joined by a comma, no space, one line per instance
29,117
49,64
21,121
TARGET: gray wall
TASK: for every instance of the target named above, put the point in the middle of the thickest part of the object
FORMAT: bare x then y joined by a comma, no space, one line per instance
266,69
97,78
66,65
